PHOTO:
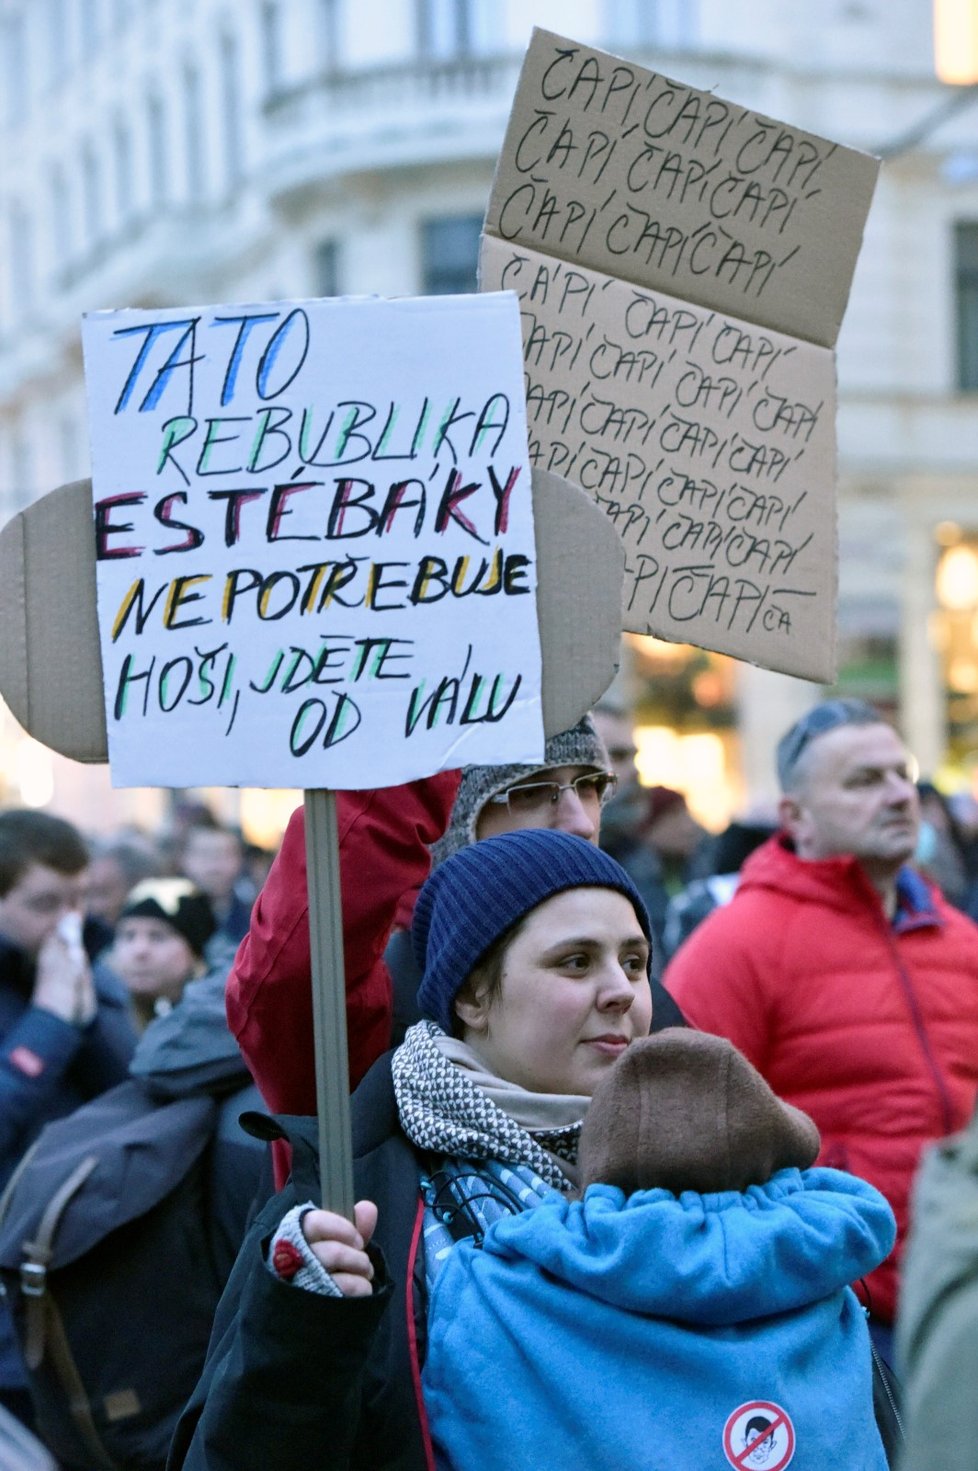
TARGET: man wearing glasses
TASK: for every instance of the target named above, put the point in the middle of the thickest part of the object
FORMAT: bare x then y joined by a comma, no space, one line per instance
567,793
846,979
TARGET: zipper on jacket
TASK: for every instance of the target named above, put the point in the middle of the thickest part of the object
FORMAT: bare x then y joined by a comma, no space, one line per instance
410,1306
883,1379
921,1030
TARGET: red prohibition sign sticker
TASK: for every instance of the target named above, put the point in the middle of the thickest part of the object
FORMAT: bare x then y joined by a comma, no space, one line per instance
759,1434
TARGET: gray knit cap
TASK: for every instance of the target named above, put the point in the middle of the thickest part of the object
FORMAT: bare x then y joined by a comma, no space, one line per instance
579,746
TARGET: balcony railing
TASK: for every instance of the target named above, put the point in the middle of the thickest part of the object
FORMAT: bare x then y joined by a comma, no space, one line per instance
418,81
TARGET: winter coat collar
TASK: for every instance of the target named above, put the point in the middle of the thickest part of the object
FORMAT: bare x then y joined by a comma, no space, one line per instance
836,882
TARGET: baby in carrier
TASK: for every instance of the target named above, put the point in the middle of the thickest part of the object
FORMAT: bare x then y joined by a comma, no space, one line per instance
691,1309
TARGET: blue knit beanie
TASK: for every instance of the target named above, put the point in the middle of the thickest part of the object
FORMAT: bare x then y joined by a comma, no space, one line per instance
482,891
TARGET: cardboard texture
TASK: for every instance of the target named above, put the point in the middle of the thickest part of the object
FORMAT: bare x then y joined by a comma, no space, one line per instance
51,641
50,661
314,540
683,266
708,444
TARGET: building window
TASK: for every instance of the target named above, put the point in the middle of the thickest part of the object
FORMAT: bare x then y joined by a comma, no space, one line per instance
966,285
22,470
271,44
193,130
61,234
868,651
231,109
71,462
685,724
91,195
450,254
953,632
447,28
13,40
21,256
326,266
158,159
651,22
329,34
122,168
56,45
89,26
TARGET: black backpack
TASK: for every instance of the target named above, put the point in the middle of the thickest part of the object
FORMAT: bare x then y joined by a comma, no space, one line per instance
112,1271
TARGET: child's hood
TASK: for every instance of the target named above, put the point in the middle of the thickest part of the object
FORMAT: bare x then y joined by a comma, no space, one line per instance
712,1259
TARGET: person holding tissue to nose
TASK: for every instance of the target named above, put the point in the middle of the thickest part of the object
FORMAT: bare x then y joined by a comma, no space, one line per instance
65,1033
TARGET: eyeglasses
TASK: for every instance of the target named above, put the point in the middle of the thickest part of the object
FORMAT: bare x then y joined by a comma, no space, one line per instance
593,789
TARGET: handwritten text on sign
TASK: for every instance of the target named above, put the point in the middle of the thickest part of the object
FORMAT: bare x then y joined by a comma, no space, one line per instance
314,535
683,266
622,170
705,439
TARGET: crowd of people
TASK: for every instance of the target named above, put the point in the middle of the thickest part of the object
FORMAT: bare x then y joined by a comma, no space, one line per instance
635,1105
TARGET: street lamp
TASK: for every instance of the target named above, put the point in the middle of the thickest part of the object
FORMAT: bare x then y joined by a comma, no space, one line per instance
956,42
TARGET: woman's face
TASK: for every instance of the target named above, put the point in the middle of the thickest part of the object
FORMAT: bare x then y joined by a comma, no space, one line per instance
573,993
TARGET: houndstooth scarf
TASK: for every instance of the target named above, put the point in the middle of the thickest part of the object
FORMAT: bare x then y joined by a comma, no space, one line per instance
445,1099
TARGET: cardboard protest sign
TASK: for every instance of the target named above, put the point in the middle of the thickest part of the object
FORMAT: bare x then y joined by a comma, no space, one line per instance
683,266
314,541
50,624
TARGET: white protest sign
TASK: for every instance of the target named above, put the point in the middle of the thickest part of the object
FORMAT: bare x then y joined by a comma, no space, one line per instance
314,539
683,265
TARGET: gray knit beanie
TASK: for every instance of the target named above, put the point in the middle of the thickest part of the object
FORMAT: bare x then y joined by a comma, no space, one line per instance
683,1110
579,746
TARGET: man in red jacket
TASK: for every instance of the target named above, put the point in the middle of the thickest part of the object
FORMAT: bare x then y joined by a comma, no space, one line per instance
844,977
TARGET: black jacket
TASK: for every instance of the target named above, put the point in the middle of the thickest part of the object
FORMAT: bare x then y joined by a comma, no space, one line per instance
48,1068
309,1383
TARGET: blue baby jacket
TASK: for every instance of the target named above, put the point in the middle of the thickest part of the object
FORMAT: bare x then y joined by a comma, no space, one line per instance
663,1332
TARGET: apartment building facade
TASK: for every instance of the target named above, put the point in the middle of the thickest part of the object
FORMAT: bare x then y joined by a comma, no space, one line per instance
158,152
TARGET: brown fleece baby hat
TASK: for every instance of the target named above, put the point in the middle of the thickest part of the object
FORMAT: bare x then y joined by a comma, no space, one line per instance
682,1110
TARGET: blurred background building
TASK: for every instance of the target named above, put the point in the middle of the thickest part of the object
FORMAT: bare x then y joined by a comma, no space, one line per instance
157,152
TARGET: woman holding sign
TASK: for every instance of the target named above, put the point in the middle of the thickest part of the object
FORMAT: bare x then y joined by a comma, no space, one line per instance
535,950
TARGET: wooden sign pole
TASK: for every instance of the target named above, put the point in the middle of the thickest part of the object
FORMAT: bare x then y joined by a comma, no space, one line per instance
329,1003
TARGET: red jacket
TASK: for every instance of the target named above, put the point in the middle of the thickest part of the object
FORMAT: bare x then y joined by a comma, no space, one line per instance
383,842
870,1026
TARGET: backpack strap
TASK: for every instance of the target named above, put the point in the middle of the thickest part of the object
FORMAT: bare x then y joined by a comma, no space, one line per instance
37,1255
74,1389
456,1192
44,1329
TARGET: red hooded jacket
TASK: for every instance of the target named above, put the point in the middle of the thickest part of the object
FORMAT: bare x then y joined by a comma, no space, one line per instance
383,842
869,1025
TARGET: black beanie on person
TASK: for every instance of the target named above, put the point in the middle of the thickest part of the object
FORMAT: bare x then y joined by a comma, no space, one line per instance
479,893
683,1110
178,903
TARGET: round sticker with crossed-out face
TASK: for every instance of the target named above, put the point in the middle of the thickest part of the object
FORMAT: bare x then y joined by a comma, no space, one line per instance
759,1434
